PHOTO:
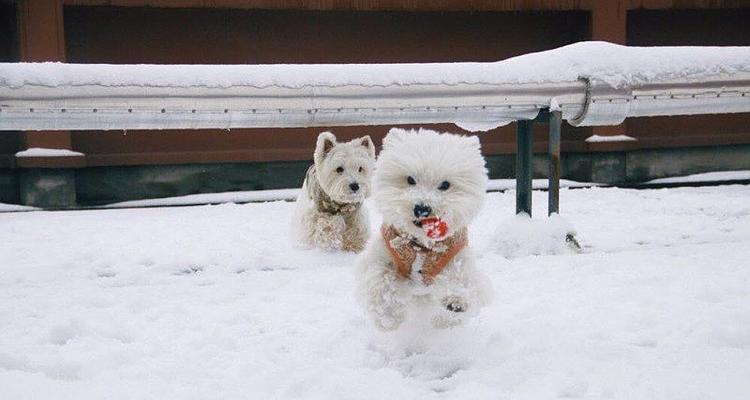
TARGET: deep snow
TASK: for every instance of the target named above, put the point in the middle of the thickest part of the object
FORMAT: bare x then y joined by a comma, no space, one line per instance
212,302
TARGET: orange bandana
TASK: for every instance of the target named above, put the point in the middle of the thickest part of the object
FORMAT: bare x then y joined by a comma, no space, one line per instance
404,252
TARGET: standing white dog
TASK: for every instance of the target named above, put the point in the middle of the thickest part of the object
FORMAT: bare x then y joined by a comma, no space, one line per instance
428,187
329,213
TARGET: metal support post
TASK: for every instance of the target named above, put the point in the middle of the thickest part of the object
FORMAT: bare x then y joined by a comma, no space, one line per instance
555,122
524,170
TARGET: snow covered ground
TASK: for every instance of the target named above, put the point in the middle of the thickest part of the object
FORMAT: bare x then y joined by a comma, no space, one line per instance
291,194
212,302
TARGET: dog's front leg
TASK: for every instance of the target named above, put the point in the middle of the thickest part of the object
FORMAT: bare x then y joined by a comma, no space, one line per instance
357,231
328,231
382,293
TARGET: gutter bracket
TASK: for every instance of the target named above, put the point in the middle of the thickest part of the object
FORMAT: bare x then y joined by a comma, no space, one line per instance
605,104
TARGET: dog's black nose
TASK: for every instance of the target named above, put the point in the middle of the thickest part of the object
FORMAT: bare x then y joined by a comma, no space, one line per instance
421,210
354,186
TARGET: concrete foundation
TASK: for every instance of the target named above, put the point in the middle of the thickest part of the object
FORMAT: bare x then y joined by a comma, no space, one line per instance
103,185
9,186
643,165
47,188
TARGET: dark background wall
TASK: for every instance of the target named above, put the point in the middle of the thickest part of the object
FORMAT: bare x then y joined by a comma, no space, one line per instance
8,33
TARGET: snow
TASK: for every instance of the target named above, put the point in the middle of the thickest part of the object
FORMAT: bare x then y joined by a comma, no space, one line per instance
510,184
4,207
554,105
212,198
613,64
704,177
42,152
481,126
291,194
542,236
609,138
213,302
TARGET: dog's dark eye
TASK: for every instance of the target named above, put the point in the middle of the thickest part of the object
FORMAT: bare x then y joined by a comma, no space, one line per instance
411,180
361,169
444,186
340,169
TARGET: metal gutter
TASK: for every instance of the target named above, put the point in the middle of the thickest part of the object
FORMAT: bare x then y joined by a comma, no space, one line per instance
585,102
130,107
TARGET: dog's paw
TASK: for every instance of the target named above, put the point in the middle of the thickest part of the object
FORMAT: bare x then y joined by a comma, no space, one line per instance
455,304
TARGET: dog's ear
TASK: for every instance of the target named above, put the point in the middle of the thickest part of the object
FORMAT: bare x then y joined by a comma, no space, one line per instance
326,142
366,142
393,138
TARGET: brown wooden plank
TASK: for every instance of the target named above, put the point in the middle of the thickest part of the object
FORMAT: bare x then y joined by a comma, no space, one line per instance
77,161
41,35
42,38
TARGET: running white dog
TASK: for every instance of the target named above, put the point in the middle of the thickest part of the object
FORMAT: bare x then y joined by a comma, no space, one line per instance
428,187
329,213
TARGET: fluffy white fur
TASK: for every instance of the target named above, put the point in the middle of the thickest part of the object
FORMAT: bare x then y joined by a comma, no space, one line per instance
430,158
329,212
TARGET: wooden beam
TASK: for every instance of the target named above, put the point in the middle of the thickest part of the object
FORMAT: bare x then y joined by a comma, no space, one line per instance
609,23
41,33
42,38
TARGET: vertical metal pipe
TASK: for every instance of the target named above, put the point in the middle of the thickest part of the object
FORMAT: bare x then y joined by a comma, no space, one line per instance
524,154
555,122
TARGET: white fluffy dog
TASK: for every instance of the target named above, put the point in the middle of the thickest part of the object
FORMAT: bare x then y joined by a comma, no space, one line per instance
428,187
329,212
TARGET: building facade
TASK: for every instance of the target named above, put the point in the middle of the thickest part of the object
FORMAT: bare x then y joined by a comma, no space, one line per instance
117,166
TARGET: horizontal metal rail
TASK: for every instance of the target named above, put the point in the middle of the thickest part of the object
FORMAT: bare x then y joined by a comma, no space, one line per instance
96,107
475,106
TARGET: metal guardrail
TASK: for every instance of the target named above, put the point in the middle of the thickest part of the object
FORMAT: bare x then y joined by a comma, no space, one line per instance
585,102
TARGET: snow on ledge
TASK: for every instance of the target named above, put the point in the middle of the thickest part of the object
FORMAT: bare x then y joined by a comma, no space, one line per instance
4,207
704,177
42,152
608,138
495,185
212,198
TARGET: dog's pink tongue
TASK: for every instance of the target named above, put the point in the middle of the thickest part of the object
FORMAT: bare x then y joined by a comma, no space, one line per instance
434,227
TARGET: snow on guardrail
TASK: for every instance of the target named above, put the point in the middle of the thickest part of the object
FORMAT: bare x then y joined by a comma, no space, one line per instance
594,83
